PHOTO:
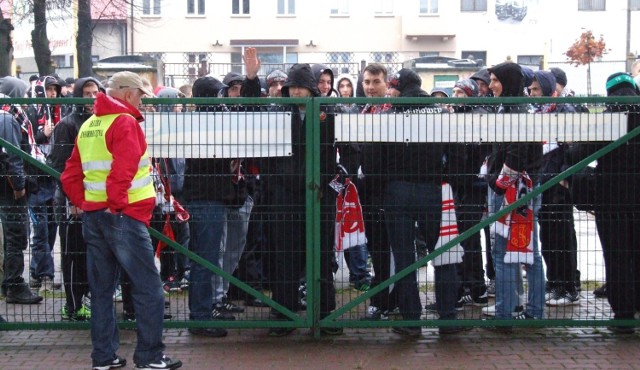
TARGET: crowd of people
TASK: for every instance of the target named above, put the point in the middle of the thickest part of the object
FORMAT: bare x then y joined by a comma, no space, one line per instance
248,215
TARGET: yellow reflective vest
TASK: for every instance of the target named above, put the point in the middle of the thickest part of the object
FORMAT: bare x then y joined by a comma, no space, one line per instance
96,163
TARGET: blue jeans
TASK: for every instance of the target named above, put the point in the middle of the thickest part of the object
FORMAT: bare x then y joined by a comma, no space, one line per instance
405,204
114,242
232,246
508,274
44,227
356,258
207,227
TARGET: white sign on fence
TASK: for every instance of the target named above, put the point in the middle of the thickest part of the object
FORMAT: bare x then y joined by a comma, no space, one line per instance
480,127
218,135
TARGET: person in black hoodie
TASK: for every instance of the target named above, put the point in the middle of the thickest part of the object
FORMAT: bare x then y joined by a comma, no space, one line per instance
74,249
209,188
13,199
44,117
471,197
286,194
616,209
324,78
414,173
510,160
558,240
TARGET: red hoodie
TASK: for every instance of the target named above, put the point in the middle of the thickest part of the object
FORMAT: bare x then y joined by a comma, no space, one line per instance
126,142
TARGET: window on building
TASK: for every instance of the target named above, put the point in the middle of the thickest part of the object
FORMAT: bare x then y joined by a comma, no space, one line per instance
592,4
473,5
62,61
339,7
634,5
151,7
428,6
529,60
428,53
240,7
384,7
195,7
286,7
342,62
476,55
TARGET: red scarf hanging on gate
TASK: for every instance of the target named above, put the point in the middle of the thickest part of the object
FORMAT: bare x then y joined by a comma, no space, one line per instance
349,230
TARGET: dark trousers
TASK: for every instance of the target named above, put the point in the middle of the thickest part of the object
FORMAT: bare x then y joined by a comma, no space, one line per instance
74,262
469,213
287,231
559,245
14,225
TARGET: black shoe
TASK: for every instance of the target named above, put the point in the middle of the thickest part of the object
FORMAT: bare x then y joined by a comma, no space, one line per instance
209,332
601,292
116,363
227,306
280,332
332,331
2,319
255,302
453,329
164,363
408,331
22,295
218,314
131,316
431,308
626,330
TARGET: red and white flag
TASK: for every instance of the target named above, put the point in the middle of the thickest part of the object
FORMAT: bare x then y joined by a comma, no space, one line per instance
349,220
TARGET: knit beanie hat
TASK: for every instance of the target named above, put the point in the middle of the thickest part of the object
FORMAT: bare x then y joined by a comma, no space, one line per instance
469,86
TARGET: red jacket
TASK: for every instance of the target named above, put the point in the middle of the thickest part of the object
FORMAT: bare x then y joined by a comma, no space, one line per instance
126,142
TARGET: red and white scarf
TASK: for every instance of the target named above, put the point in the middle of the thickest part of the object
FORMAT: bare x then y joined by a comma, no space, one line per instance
448,230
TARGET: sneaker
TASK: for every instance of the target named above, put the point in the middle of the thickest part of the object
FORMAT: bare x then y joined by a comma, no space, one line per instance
491,310
374,314
408,331
209,332
522,315
171,285
601,292
302,295
228,306
164,363
66,315
84,313
218,314
566,299
255,302
184,283
116,363
553,293
46,284
466,299
491,288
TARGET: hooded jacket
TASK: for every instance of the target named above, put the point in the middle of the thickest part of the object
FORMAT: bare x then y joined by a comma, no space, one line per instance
409,83
288,170
248,89
319,69
345,76
11,165
212,179
517,156
66,130
125,139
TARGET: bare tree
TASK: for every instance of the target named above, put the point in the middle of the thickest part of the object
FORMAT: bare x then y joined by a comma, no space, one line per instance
6,45
39,39
84,39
